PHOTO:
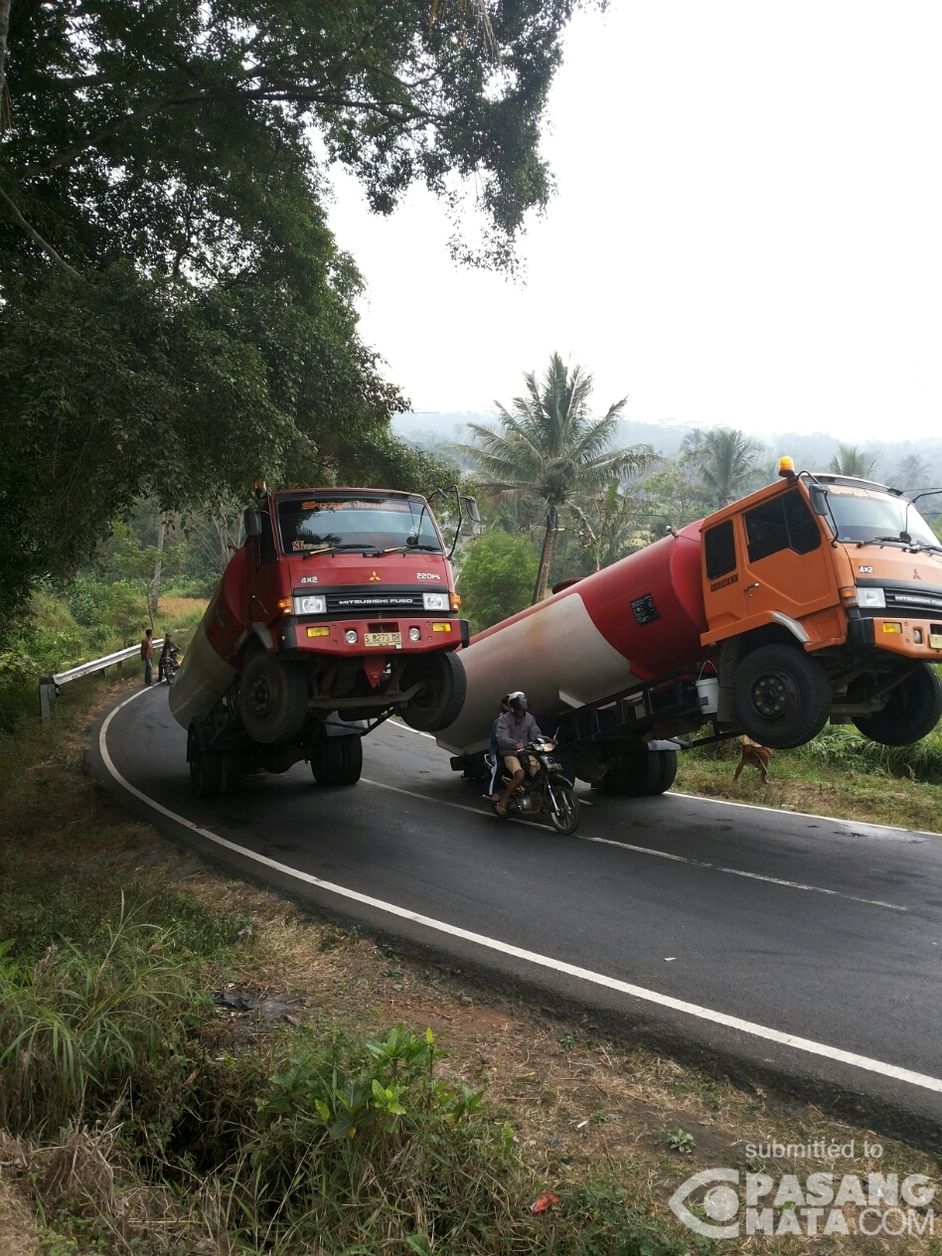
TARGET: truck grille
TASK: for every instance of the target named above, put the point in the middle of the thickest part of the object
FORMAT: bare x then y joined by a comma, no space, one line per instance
914,602
373,601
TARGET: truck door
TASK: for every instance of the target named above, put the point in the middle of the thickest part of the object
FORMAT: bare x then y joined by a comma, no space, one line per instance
769,561
786,563
261,587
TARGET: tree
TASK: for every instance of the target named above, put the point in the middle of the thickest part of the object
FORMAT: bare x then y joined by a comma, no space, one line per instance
914,473
496,578
550,450
608,525
850,461
726,459
175,316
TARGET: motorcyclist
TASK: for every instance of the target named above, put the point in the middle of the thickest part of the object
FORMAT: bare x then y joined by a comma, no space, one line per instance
169,651
514,729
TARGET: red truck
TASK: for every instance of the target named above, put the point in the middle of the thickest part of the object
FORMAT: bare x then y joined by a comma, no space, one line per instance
338,611
816,598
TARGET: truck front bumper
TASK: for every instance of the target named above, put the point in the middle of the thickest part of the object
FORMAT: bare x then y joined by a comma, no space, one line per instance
346,637
913,638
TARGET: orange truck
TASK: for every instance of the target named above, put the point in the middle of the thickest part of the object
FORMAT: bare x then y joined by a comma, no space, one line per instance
817,598
338,611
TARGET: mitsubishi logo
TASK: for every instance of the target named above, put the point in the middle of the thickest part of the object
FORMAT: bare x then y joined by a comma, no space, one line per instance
375,576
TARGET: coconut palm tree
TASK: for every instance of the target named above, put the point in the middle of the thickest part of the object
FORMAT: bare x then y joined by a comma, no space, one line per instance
914,473
726,459
550,450
849,460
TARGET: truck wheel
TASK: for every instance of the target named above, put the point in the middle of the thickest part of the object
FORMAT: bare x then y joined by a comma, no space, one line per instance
667,770
272,699
912,709
438,703
230,772
338,760
205,767
782,696
641,772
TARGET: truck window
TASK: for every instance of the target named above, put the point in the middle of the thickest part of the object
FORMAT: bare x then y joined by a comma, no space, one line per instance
369,523
720,550
785,522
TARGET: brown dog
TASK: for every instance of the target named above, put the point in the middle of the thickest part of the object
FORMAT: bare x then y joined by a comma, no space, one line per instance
751,753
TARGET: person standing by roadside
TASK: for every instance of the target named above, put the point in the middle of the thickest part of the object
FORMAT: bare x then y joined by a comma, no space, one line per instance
147,654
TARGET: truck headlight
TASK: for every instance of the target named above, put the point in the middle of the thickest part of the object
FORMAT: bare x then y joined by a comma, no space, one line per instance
874,598
310,604
435,601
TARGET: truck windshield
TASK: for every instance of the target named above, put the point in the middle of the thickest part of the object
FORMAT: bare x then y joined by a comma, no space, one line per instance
866,515
312,525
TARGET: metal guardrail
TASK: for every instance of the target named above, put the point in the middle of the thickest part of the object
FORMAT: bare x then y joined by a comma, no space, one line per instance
49,685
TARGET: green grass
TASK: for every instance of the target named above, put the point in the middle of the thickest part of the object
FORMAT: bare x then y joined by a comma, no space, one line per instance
839,774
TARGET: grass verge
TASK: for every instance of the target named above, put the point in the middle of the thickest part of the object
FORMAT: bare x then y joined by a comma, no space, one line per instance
829,777
189,1065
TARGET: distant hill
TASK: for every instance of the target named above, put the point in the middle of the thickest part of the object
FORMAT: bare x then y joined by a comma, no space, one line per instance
430,430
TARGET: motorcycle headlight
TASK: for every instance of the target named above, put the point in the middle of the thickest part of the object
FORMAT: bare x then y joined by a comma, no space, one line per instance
875,598
435,601
310,604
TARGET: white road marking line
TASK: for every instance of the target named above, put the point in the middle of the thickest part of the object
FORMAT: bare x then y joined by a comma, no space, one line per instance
658,854
809,815
807,1045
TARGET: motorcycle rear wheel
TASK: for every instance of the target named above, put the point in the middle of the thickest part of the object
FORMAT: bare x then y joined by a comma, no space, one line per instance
564,809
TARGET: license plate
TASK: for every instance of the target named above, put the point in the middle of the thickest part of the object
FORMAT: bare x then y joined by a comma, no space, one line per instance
935,640
382,638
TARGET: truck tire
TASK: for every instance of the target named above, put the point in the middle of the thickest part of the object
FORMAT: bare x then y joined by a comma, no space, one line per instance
338,760
641,772
667,773
230,772
205,767
782,696
440,700
272,699
912,709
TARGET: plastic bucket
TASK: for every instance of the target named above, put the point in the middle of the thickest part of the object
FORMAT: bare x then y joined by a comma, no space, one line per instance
708,690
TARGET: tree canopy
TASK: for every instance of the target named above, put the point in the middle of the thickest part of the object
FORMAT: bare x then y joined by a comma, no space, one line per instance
175,316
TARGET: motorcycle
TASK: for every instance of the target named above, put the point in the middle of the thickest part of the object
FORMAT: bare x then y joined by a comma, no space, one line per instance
170,666
546,791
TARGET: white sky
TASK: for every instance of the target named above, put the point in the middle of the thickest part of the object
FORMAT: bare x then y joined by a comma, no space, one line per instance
747,228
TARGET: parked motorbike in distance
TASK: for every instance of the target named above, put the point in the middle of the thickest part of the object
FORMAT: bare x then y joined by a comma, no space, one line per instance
170,667
545,792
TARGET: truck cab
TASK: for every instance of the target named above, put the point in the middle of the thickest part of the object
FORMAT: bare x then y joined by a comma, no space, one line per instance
350,594
823,599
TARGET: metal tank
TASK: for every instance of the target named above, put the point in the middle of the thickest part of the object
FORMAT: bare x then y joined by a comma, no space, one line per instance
633,621
208,669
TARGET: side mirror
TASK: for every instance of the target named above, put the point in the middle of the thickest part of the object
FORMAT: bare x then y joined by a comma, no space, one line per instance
819,499
471,507
252,522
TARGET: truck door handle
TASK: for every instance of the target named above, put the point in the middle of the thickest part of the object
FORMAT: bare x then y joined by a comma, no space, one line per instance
755,585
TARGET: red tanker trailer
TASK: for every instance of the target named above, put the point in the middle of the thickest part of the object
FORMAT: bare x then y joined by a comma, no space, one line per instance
339,610
818,597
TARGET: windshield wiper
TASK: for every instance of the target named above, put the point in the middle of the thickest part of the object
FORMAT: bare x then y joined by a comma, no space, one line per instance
410,545
901,538
329,549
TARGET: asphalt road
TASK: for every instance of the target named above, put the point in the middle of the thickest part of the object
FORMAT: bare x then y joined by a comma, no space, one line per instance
787,944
